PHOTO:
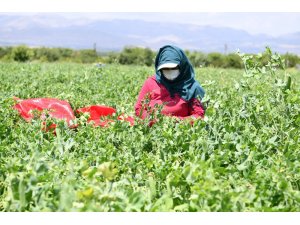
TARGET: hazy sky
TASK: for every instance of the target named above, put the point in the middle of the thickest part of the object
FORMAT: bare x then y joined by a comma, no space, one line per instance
273,17
271,23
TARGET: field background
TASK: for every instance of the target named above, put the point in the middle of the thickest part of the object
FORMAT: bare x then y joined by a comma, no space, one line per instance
243,157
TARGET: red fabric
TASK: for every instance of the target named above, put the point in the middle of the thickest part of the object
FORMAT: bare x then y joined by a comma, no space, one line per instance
62,110
99,112
57,108
153,93
126,118
96,112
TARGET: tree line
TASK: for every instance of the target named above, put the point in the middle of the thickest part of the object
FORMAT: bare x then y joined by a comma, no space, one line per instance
128,56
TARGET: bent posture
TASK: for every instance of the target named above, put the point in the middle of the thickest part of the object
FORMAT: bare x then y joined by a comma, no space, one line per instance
173,87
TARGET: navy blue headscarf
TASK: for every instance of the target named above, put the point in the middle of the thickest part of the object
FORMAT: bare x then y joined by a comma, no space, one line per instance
185,84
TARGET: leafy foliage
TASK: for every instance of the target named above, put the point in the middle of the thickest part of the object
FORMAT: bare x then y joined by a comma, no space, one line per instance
21,53
130,55
244,156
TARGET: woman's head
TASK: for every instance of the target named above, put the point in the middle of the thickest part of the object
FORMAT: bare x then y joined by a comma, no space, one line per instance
170,62
176,73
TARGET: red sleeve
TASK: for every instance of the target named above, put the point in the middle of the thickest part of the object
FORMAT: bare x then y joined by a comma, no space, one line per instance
196,110
141,104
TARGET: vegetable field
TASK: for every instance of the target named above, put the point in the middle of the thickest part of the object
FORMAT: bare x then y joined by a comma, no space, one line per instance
244,156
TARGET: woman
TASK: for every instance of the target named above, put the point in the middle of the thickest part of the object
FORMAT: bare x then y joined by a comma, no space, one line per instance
173,87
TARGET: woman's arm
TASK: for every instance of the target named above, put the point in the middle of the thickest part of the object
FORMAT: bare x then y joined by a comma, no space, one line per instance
196,110
141,104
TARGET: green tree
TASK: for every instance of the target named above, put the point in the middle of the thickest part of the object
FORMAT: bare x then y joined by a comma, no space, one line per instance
232,60
137,56
215,59
65,53
198,59
85,56
129,56
47,54
22,53
291,60
148,57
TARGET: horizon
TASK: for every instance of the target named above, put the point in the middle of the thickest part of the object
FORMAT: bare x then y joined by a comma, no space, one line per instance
205,32
274,24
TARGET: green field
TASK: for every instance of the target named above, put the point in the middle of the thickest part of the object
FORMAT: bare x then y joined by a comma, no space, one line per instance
244,156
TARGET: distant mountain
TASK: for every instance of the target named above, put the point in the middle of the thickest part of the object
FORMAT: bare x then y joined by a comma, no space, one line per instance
115,34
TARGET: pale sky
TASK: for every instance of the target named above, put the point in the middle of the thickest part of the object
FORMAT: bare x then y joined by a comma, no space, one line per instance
271,23
273,17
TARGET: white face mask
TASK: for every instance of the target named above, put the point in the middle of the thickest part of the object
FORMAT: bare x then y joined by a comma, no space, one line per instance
171,74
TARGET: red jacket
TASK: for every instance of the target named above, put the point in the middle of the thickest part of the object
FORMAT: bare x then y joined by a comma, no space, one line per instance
157,93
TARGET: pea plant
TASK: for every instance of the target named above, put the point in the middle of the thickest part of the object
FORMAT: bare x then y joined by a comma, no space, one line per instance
243,156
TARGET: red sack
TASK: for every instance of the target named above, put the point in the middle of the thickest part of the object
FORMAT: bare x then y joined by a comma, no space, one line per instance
126,118
57,108
62,110
99,112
